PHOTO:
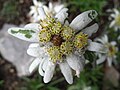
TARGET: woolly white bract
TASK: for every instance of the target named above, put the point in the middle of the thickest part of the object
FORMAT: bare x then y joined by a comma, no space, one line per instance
56,42
51,9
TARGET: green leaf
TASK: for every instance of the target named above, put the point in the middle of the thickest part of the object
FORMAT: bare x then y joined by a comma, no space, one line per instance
1,82
84,5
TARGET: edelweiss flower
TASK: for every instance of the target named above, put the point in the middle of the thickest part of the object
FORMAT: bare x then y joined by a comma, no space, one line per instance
107,50
116,19
51,9
58,42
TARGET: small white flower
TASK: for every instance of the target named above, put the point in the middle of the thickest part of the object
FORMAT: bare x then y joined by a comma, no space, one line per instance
105,50
51,9
58,42
115,16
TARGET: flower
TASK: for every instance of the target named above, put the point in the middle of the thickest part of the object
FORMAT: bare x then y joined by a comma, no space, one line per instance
106,50
116,19
51,9
56,42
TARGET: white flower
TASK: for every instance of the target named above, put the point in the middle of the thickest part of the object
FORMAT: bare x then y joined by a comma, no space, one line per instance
106,50
115,19
51,9
58,42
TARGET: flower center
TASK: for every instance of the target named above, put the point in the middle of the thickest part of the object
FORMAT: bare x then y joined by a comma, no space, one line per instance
54,53
66,48
67,33
117,20
56,28
61,37
112,50
44,35
57,40
80,40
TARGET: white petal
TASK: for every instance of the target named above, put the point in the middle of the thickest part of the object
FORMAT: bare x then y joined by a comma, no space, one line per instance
118,37
40,70
62,15
101,59
113,15
109,61
96,47
46,9
75,63
45,64
34,65
40,4
42,13
113,43
35,50
31,13
65,69
100,40
50,6
49,72
67,23
20,33
105,38
35,14
83,20
112,24
90,30
33,26
36,19
58,7
33,8
116,11
116,28
35,2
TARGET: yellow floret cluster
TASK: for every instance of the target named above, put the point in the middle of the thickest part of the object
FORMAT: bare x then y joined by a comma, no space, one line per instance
62,37
112,50
80,40
117,20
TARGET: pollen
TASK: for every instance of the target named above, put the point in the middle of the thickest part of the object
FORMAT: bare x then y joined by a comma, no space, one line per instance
54,53
112,50
66,48
67,32
56,28
80,40
44,35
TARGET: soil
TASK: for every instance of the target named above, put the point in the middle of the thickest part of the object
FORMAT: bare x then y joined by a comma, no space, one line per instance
8,75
